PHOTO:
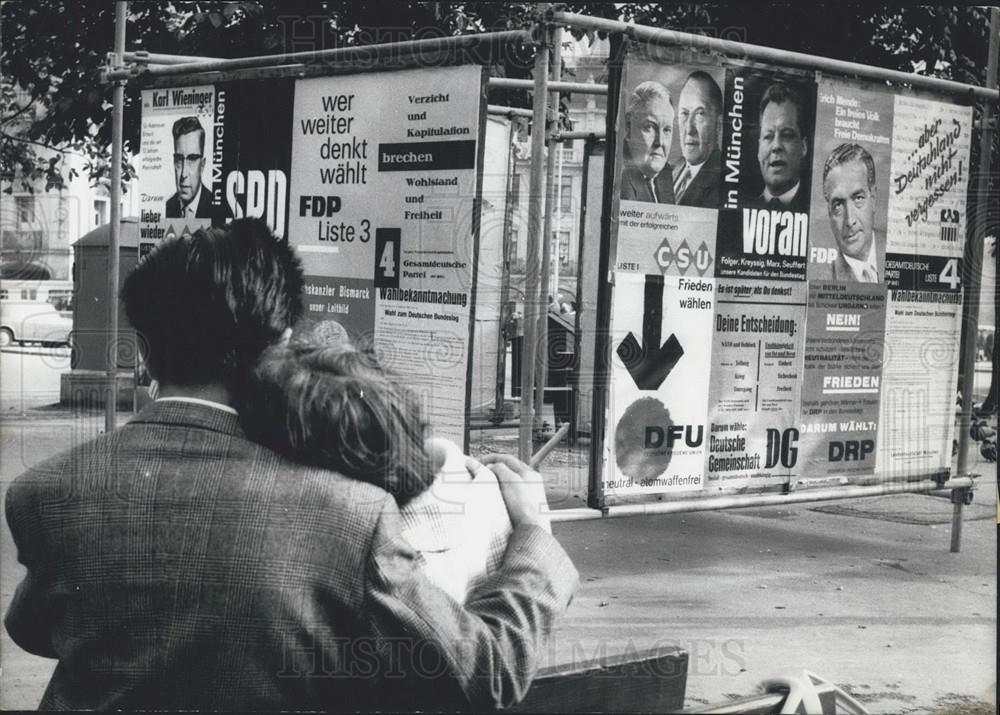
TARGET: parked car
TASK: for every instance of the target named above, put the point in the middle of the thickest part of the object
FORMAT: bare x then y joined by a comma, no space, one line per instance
33,322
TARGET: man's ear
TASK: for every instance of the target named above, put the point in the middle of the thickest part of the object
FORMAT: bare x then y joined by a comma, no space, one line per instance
285,337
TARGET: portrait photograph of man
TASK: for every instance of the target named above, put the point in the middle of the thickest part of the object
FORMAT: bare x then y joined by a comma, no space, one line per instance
783,147
649,127
851,197
699,109
851,188
192,198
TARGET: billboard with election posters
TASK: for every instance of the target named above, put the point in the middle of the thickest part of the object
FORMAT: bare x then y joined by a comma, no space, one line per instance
831,283
374,178
384,213
176,164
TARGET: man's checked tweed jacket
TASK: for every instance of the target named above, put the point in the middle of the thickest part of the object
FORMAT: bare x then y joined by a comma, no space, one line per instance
174,564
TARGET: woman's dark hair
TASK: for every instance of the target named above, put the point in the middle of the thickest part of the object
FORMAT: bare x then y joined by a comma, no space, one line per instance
332,406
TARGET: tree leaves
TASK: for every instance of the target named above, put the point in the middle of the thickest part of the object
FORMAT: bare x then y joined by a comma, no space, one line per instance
55,50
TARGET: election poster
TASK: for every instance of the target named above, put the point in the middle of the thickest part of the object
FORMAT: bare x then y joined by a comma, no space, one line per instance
759,331
660,373
669,170
383,202
920,373
767,148
253,148
228,150
852,182
930,175
177,163
930,159
842,381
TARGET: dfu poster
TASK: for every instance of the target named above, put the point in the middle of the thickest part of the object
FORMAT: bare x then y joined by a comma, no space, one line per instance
382,205
930,159
177,164
657,434
669,172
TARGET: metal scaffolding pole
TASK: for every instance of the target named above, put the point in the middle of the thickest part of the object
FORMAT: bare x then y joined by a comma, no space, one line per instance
756,500
340,54
573,87
551,205
117,116
973,281
672,38
508,111
531,302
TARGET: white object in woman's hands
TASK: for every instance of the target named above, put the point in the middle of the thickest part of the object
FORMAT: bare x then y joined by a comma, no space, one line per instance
460,525
523,490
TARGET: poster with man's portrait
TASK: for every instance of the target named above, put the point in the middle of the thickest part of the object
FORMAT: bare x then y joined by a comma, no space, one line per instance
850,192
176,161
670,163
768,136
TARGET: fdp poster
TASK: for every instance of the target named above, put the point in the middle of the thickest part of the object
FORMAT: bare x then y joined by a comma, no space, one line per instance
382,207
177,164
852,182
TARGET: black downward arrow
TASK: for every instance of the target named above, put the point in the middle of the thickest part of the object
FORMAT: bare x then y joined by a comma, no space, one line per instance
650,363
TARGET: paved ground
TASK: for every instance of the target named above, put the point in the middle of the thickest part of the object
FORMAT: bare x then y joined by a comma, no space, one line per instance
877,606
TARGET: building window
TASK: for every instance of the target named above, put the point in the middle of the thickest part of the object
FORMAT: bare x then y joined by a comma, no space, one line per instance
25,210
563,246
566,195
515,189
100,215
513,243
569,151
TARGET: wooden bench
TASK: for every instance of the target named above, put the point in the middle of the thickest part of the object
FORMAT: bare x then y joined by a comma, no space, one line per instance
651,681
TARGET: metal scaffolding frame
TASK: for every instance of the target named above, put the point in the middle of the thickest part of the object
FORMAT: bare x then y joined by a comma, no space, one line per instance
125,67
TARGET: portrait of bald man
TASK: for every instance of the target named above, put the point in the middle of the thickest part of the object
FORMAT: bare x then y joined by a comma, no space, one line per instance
699,110
649,127
851,197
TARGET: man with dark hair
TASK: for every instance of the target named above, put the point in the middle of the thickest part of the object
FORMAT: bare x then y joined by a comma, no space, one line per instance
782,148
849,189
173,564
649,124
699,108
192,199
